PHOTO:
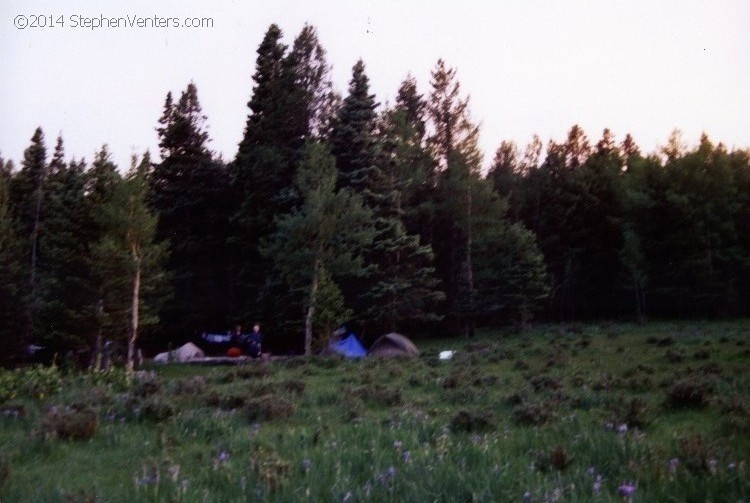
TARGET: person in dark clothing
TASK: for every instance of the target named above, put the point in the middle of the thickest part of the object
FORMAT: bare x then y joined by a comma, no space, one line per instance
253,342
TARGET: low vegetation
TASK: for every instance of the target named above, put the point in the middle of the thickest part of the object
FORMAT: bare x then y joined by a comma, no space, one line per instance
592,414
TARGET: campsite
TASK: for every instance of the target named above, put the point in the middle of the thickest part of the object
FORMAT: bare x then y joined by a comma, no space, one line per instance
561,413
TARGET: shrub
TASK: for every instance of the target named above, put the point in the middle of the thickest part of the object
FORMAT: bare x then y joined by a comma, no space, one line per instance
698,454
294,386
688,393
157,408
702,354
226,401
631,411
269,407
67,422
557,458
673,356
270,468
190,385
533,413
377,394
147,384
471,421
545,382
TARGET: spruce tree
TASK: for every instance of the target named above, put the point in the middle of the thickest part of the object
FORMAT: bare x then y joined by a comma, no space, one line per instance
189,190
457,156
10,269
326,234
66,289
27,195
353,141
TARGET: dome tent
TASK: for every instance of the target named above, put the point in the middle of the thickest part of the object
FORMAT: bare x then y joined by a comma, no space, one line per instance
393,344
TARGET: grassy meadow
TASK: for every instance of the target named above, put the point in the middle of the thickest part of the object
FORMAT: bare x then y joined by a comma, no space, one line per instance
605,412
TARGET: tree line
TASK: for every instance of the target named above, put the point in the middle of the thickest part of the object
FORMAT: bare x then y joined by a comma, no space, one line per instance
339,209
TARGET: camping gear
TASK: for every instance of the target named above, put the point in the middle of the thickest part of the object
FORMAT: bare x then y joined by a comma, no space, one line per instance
393,344
349,347
185,353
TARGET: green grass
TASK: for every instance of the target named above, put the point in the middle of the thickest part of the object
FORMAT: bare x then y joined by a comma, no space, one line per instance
564,413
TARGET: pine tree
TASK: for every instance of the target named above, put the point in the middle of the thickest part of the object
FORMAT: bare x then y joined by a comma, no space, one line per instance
27,194
101,181
353,141
189,190
10,269
325,234
66,290
456,153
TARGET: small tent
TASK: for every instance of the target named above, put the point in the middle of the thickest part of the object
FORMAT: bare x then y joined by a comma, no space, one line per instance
185,353
393,344
349,347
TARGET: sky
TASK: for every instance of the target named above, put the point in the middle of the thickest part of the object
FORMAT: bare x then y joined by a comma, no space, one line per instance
530,67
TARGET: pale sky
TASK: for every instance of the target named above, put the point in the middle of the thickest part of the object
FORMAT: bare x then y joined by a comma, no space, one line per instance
640,66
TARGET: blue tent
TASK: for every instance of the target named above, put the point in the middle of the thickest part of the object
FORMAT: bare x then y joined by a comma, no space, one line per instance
349,347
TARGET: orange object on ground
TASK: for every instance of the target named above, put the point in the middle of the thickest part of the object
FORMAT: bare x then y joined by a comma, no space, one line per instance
234,352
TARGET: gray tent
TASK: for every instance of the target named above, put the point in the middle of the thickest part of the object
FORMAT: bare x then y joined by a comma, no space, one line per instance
393,344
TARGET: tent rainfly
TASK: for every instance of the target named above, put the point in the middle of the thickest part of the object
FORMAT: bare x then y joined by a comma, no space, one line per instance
185,353
393,344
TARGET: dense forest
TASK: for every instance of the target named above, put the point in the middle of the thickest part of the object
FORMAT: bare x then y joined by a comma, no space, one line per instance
342,209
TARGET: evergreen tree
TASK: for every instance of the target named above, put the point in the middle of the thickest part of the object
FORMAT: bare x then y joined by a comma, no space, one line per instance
67,308
456,153
101,181
10,269
353,141
189,190
27,194
326,234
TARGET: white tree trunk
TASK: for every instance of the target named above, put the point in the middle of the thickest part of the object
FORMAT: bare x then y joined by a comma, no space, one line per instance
311,309
134,311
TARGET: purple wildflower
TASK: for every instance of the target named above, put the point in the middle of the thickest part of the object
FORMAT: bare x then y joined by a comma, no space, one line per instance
590,472
406,456
397,445
526,497
387,476
306,465
622,429
597,487
627,489
673,464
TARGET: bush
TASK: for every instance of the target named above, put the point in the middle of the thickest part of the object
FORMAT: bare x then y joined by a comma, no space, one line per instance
689,393
471,421
557,458
157,408
269,407
70,423
533,413
190,385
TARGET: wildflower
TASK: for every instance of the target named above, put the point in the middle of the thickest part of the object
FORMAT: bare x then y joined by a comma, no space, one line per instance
397,445
387,476
590,472
527,497
627,489
622,429
672,467
306,465
712,465
597,487
406,456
